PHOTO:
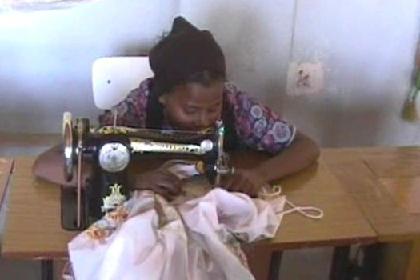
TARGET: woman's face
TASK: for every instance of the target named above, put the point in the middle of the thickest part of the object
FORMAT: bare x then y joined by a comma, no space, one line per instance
193,106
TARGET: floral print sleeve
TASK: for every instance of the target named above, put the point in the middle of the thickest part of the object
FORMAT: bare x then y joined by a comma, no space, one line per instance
132,110
256,125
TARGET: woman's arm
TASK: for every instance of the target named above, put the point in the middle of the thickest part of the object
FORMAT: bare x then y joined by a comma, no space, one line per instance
159,180
261,129
49,166
302,152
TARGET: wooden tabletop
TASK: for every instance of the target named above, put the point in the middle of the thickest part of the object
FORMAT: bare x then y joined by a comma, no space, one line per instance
33,224
33,228
342,224
385,183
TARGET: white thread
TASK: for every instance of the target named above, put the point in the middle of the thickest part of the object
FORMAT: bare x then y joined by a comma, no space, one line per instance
270,194
115,115
307,211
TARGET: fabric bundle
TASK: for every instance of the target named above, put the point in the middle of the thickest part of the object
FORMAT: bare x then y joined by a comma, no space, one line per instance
198,236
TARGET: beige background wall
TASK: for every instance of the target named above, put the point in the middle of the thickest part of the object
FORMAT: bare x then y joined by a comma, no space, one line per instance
365,46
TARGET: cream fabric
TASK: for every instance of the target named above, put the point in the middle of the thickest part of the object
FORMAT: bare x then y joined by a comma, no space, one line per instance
197,236
197,239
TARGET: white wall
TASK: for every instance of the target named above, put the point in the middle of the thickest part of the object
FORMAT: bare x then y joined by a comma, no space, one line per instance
368,49
366,46
46,57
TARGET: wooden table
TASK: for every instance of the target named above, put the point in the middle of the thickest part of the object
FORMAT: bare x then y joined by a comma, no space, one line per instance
33,228
12,145
385,183
34,210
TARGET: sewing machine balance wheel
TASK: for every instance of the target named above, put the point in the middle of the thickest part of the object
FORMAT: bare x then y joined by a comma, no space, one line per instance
75,134
68,148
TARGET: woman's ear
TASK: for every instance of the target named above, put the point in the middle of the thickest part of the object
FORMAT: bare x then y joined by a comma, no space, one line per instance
162,99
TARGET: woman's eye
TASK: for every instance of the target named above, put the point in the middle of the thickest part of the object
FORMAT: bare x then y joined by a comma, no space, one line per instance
190,111
213,110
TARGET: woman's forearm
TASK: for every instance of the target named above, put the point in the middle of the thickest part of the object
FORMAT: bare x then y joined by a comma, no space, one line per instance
300,154
49,166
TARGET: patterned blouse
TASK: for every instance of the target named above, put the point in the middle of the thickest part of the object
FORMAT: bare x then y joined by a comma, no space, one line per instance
257,127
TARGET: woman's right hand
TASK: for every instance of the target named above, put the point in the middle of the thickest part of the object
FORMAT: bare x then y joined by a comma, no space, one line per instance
161,181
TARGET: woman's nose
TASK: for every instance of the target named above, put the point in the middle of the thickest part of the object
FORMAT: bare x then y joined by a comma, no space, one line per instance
204,121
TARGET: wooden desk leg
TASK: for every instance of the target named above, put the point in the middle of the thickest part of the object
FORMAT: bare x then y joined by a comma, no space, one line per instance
413,266
258,260
275,263
371,260
394,260
340,263
47,269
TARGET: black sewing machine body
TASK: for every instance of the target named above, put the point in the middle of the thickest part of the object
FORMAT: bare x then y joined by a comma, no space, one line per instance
112,150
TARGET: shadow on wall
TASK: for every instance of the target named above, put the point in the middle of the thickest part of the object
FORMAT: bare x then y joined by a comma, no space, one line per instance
131,50
337,122
136,49
358,124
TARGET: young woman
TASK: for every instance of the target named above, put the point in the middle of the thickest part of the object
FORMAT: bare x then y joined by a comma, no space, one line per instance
189,91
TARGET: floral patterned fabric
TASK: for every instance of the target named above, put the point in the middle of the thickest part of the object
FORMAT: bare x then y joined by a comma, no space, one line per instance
256,125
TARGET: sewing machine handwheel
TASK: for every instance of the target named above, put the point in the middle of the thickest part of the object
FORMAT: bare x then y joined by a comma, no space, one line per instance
68,148
82,125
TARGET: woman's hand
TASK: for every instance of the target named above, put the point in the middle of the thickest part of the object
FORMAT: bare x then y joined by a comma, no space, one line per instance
160,181
49,166
245,181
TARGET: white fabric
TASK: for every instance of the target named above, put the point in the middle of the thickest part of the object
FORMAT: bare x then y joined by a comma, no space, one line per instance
155,242
198,238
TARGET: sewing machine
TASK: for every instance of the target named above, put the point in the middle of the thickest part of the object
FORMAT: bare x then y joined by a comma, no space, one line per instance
111,149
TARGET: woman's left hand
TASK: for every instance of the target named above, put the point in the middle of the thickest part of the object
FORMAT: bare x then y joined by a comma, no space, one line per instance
245,181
